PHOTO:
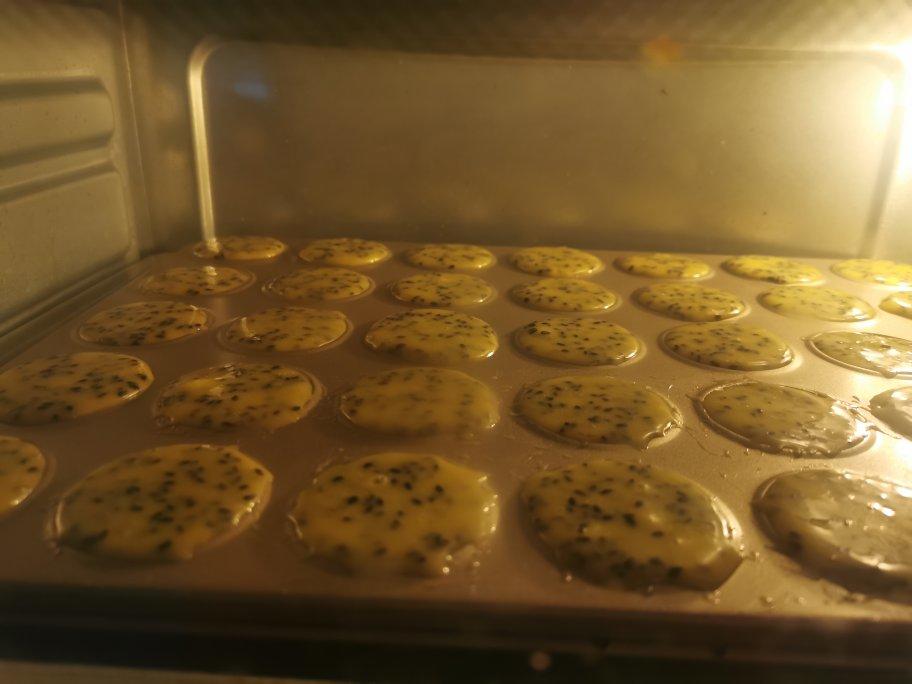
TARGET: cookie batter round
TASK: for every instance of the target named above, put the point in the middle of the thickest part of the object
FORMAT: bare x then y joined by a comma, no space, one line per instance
22,467
823,303
690,302
865,351
734,346
320,284
442,289
287,329
240,248
878,271
345,252
556,262
142,323
450,257
772,269
660,265
565,294
435,336
197,281
578,341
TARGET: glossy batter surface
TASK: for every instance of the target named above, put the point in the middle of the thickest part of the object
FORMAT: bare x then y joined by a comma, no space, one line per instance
287,329
420,401
55,388
783,419
262,395
396,514
565,294
320,284
241,248
450,257
442,289
773,269
144,323
879,271
578,341
345,252
598,409
556,262
850,528
899,303
689,302
894,407
824,303
735,346
659,265
434,336
864,351
613,522
22,467
166,503
196,280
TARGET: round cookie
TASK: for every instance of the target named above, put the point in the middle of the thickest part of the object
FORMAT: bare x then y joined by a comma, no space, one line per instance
434,336
450,257
22,467
659,265
565,294
240,248
879,271
556,262
690,302
849,528
782,419
320,284
899,303
772,269
823,303
65,386
578,341
442,289
598,409
144,323
345,252
396,514
196,280
734,346
259,395
614,522
894,407
420,401
865,351
286,329
166,503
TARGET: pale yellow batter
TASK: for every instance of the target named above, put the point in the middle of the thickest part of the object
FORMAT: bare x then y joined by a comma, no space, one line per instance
22,467
690,302
450,257
565,294
894,407
261,395
240,248
442,289
824,303
614,522
396,514
879,271
659,265
578,341
434,336
735,346
287,329
853,529
899,303
598,409
420,401
320,284
345,252
144,323
864,351
556,262
773,269
197,280
165,503
56,388
782,419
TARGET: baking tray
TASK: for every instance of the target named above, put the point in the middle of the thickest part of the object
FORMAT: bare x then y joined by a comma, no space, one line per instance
260,583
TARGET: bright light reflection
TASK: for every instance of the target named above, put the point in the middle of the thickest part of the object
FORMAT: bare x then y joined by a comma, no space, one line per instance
903,53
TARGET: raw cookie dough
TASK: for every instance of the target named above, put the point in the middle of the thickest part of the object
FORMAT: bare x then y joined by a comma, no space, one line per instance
240,248
824,303
773,269
565,294
320,284
345,252
578,341
556,262
196,280
658,265
614,522
65,386
879,271
450,257
894,407
141,323
287,329
735,346
598,409
782,419
165,503
442,289
396,514
690,302
865,351
262,395
852,529
420,401
22,467
899,303
433,336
